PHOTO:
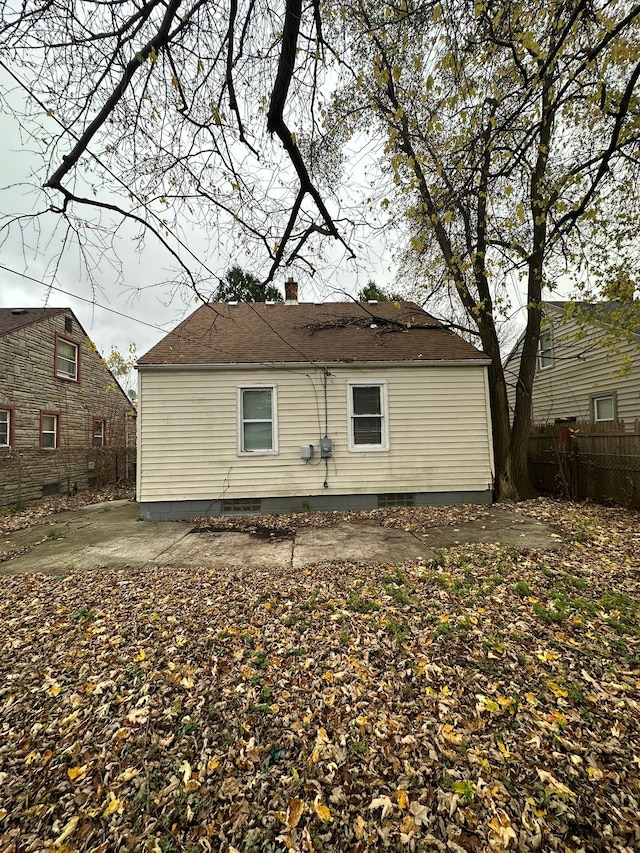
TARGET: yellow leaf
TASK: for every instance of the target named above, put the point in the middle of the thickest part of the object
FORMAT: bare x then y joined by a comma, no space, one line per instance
402,798
54,690
503,749
595,773
559,691
76,774
359,827
294,812
500,826
141,655
546,656
520,212
321,810
3,814
113,805
396,73
214,763
315,756
128,774
450,736
69,828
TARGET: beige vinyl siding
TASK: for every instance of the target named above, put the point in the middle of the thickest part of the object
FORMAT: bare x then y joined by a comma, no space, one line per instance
188,441
581,369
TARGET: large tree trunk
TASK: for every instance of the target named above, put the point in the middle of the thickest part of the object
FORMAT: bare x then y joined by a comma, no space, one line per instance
518,470
512,480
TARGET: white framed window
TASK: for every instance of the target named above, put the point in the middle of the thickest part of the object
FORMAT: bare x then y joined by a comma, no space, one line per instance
99,432
67,359
603,407
545,350
257,419
49,430
368,416
5,427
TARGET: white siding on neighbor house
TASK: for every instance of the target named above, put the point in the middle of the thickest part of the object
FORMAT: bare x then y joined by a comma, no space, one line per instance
439,433
581,370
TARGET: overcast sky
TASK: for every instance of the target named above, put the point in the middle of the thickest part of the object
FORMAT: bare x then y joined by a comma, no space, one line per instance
110,314
144,305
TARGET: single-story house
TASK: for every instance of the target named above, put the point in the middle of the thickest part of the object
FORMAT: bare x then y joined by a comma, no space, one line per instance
278,407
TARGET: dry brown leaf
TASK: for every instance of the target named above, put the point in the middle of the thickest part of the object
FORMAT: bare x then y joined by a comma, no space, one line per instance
294,812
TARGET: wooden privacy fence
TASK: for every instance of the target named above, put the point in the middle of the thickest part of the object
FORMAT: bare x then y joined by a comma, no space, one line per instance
585,460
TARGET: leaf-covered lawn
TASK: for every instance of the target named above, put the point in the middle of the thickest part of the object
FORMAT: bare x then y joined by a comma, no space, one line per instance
487,700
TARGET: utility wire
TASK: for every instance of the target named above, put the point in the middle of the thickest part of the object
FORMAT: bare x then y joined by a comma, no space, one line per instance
82,298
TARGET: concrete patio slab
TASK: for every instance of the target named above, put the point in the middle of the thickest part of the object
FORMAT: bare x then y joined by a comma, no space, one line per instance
226,550
110,535
361,542
96,536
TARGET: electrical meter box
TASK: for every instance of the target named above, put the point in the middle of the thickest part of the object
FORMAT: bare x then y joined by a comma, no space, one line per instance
326,446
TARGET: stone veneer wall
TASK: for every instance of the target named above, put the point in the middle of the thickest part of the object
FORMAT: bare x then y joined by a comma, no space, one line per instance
28,386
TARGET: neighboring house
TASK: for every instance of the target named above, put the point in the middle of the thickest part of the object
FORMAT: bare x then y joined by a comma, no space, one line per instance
65,423
270,407
585,371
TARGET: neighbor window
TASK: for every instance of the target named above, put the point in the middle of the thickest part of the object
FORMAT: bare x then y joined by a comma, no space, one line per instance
603,407
67,359
545,350
99,432
368,416
5,427
49,430
257,432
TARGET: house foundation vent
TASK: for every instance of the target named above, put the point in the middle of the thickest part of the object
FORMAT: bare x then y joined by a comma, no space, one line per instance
241,505
49,489
396,499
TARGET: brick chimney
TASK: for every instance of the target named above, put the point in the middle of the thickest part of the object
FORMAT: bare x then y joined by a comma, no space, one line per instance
291,292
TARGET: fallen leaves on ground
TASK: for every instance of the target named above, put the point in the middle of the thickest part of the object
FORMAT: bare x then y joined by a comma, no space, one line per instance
486,700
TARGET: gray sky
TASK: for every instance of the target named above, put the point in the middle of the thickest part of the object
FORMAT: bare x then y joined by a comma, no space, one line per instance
111,314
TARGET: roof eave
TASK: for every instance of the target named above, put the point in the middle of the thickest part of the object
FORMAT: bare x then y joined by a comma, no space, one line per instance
288,365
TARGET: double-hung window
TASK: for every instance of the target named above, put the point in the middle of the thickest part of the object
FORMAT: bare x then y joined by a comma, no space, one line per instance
257,420
67,359
545,350
368,418
49,430
5,427
99,432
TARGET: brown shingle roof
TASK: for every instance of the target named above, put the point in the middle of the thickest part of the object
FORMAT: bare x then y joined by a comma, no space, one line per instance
254,333
16,318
